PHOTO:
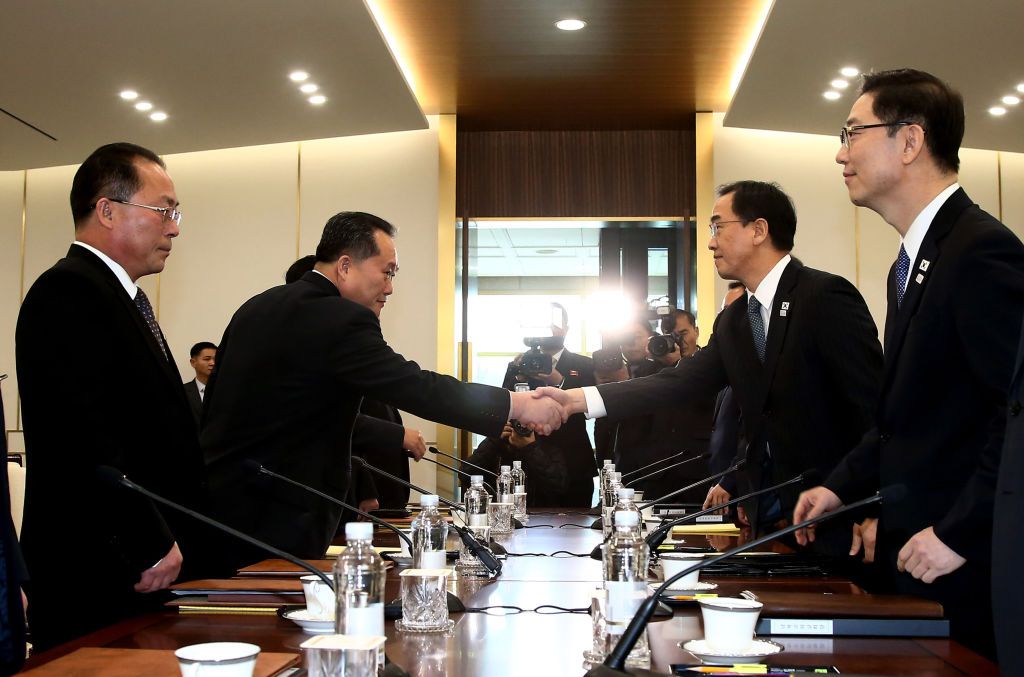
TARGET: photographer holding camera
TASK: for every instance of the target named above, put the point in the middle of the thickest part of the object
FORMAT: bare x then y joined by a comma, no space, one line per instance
548,363
678,338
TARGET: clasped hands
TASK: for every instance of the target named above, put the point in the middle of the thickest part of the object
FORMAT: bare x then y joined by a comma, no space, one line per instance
545,410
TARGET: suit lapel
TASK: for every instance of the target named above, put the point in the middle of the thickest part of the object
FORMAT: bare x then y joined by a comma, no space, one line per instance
890,305
745,351
921,272
782,306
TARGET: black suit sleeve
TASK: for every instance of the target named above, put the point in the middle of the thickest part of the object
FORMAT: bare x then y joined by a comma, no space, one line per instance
370,433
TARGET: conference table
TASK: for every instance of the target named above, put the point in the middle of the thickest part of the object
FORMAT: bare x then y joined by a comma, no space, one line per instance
548,641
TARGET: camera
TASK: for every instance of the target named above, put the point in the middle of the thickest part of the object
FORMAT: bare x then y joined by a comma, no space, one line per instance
534,360
662,344
607,359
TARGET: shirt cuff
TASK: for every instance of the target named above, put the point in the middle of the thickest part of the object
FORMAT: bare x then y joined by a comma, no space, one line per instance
595,403
509,417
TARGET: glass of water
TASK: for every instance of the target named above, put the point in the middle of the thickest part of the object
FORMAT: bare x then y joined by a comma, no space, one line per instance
500,515
425,601
342,655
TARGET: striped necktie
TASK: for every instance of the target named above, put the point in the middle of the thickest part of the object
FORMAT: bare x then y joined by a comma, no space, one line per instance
142,303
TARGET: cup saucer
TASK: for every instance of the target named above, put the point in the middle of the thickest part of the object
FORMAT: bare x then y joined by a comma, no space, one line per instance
310,623
758,650
695,588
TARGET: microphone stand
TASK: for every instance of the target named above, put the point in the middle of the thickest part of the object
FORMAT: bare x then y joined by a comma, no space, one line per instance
651,465
459,472
615,662
463,462
668,467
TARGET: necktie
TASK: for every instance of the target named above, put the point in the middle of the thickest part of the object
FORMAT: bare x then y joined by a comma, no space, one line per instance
756,325
142,303
902,270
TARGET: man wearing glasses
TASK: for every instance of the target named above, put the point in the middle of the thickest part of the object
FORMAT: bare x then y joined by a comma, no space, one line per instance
799,349
81,317
955,300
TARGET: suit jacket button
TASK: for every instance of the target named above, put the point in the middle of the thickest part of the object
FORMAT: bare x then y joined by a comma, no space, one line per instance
1014,407
884,438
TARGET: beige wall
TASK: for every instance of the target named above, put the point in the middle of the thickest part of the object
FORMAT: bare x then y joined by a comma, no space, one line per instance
832,234
246,215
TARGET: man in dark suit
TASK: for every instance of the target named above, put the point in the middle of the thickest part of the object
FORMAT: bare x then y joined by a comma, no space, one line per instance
81,316
202,357
955,300
568,370
12,572
296,416
1007,555
799,349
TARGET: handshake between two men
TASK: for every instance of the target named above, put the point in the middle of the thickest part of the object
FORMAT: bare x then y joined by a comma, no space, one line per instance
545,410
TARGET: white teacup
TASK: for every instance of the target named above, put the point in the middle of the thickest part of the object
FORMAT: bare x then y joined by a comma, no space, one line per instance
674,562
320,599
729,623
218,659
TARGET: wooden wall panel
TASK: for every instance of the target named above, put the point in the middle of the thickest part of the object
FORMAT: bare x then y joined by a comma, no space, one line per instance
522,174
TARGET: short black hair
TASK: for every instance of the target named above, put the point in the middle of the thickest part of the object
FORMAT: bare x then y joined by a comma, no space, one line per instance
351,233
108,172
668,322
752,200
200,347
299,268
910,95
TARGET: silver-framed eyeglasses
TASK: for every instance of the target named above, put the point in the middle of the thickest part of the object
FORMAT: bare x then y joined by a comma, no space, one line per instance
169,213
714,226
845,132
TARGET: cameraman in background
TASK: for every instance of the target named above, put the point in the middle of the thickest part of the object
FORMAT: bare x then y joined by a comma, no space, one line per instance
548,363
547,475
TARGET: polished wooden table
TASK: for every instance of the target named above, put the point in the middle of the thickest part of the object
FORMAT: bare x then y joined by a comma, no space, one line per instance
538,644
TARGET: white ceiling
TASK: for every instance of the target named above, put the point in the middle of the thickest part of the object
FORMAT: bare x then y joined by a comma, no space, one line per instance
219,68
975,46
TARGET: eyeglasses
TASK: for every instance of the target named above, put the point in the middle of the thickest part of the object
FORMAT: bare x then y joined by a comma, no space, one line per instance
169,213
845,132
715,225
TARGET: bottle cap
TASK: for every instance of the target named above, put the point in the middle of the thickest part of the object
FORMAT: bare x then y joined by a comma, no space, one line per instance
517,464
476,479
428,500
506,468
626,518
627,493
609,462
615,476
359,531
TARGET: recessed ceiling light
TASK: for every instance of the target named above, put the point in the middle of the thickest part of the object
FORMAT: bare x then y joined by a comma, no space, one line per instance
1020,88
831,95
839,84
298,76
1011,100
570,24
129,95
317,99
849,72
158,116
308,88
143,106
997,110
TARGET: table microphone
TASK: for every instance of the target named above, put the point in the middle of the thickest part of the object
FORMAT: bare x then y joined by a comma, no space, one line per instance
257,467
114,478
458,472
615,663
463,462
599,522
658,536
667,467
651,465
478,549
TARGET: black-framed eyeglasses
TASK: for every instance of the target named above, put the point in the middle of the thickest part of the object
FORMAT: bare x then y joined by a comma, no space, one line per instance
714,225
845,132
169,213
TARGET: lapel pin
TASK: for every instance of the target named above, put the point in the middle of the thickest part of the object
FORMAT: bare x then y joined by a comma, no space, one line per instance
785,309
924,264
919,279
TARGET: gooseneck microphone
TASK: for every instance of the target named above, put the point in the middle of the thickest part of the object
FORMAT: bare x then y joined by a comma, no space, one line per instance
463,462
651,465
615,663
458,472
658,536
667,467
478,549
599,522
257,467
114,478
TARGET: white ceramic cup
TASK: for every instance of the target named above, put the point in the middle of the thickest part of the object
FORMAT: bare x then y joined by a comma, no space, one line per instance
674,562
218,659
729,623
320,599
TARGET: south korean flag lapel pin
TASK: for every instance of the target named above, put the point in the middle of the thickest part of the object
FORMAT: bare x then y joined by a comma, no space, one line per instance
784,310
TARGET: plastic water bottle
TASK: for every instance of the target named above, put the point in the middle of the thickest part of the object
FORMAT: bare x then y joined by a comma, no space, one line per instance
505,486
611,497
359,585
477,499
626,504
429,534
519,484
625,581
609,466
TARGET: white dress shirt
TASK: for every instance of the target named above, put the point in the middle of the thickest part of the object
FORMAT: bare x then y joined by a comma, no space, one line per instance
115,267
919,228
